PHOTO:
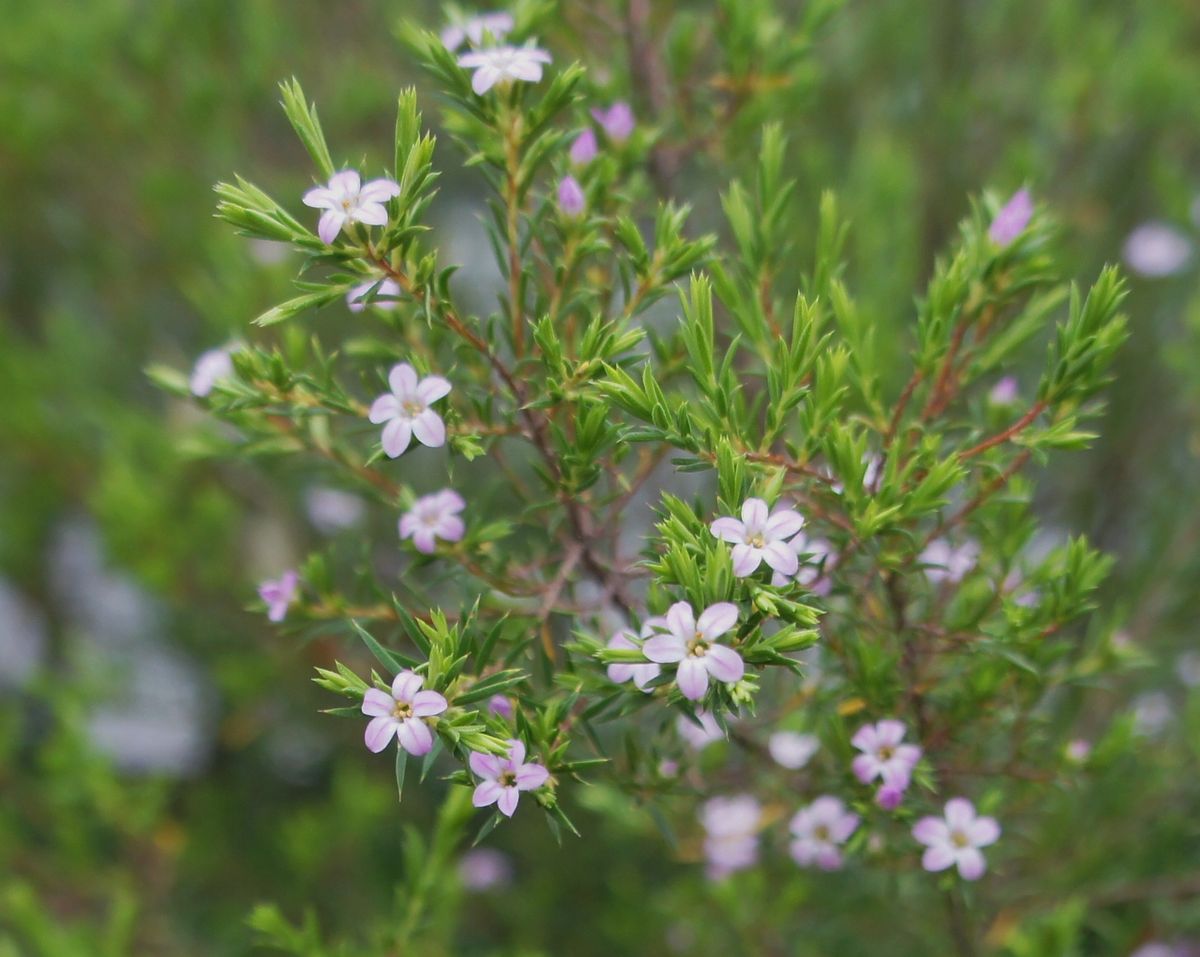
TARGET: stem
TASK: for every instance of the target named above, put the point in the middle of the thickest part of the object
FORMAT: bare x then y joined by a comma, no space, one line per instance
960,928
1007,434
451,823
512,203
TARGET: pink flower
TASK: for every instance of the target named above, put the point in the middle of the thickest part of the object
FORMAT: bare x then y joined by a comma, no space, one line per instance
819,830
386,296
791,749
617,121
692,644
502,65
1078,750
1012,219
347,200
571,200
1155,250
484,868
760,536
731,828
1004,392
622,671
474,29
883,756
432,517
956,839
584,149
505,778
947,562
212,366
406,410
811,573
500,705
279,594
402,714
699,736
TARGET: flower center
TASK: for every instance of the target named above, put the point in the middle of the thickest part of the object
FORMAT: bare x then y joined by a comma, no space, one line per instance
412,407
959,839
507,779
346,204
821,832
756,540
886,752
697,647
402,710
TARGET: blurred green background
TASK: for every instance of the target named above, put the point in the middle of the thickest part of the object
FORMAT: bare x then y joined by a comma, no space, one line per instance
162,764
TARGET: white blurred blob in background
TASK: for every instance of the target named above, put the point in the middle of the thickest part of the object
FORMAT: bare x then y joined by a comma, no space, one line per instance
1156,249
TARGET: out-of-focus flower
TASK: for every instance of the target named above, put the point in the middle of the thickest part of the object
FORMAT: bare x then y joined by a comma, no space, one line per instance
584,148
483,868
622,671
1152,712
885,757
699,736
1156,249
571,200
761,535
501,705
386,296
498,25
1012,219
955,840
1079,750
432,517
502,65
1156,948
505,778
811,572
948,563
347,200
617,121
1004,392
401,714
212,366
332,510
731,834
819,830
791,749
1187,667
279,594
691,644
406,412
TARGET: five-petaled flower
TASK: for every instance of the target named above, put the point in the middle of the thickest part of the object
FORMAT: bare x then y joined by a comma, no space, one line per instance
432,517
621,671
617,121
792,749
731,833
278,594
385,296
692,645
956,839
819,830
402,713
347,200
503,64
498,25
504,778
760,536
883,755
1012,219
406,410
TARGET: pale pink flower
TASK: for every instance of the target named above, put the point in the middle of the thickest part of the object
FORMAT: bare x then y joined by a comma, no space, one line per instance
385,296
432,517
761,535
500,705
1078,750
212,367
1156,249
699,736
791,749
347,200
692,645
571,200
811,572
502,65
1012,219
883,755
731,834
819,830
617,121
483,868
584,148
504,778
948,563
406,412
1004,392
279,594
498,25
402,714
622,671
956,839
331,510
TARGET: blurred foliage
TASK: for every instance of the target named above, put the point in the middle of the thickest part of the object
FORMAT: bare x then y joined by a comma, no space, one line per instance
118,115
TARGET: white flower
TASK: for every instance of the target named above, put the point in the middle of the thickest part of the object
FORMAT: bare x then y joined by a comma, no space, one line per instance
502,64
1155,250
347,200
210,368
819,830
498,24
699,736
692,645
406,410
791,749
401,714
731,829
956,839
760,536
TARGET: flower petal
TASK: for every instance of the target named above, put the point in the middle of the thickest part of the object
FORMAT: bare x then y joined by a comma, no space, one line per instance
486,793
755,514
450,500
960,813
784,523
485,77
428,703
370,214
377,703
450,529
681,621
396,436
746,559
484,765
890,732
432,388
692,678
319,198
403,380
729,529
429,429
330,224
530,777
516,751
415,737
717,619
508,801
345,183
664,649
937,858
424,540
724,664
406,684
931,831
971,864
379,191
384,409
781,557
379,732
984,831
